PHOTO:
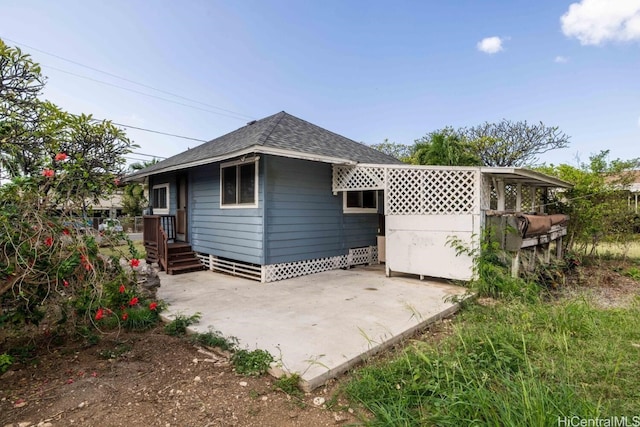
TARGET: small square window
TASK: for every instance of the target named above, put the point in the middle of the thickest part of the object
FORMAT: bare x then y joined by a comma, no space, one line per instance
360,201
239,184
160,198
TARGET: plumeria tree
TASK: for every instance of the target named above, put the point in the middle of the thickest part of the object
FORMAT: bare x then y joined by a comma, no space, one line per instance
51,263
58,163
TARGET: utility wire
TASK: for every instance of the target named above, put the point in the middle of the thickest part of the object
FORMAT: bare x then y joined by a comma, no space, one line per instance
153,131
148,155
128,80
142,93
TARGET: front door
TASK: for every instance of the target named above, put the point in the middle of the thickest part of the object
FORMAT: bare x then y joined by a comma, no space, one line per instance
181,211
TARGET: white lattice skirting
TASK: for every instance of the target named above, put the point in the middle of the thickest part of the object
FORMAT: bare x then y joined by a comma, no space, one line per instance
288,270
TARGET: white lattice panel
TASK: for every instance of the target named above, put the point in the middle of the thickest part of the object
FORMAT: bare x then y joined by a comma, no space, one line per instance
510,196
358,178
527,205
287,270
422,191
487,193
365,255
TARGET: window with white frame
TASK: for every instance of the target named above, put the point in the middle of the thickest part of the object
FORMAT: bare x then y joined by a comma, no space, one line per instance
160,199
239,184
360,201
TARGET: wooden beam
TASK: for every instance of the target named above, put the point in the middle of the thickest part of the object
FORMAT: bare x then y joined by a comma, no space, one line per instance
500,194
515,265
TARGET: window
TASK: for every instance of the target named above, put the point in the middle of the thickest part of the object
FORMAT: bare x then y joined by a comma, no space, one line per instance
239,184
160,199
360,201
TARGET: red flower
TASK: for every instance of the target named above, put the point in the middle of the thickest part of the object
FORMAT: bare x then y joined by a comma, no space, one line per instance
125,316
61,156
134,262
48,173
121,290
65,283
133,301
116,181
99,314
153,306
65,232
48,241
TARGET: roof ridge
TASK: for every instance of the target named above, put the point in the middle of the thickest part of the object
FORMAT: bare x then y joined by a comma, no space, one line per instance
267,132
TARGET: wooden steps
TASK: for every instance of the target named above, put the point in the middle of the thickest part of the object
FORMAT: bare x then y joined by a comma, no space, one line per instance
181,259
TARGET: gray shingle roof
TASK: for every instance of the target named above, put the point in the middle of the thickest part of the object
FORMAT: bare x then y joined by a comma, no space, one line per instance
279,131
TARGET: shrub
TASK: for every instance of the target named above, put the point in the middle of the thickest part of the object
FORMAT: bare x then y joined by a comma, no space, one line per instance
254,362
178,326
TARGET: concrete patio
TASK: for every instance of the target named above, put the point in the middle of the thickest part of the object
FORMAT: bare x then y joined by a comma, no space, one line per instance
319,325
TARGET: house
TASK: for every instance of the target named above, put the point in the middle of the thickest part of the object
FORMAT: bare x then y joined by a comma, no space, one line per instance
281,197
261,195
634,191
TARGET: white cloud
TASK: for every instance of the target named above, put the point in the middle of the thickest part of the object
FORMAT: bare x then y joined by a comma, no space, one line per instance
490,45
594,22
561,59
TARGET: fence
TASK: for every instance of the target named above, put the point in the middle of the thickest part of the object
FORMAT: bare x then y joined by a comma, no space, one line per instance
131,224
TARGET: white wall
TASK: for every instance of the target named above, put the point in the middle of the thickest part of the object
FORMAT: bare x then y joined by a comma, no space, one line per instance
418,244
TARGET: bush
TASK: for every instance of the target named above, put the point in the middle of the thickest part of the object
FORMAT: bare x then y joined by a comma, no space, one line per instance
254,362
51,266
178,326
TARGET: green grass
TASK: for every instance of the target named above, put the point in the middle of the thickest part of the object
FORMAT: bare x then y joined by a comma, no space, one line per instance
514,364
632,250
123,250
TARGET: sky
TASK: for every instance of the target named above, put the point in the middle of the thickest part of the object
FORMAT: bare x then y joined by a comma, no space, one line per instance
369,70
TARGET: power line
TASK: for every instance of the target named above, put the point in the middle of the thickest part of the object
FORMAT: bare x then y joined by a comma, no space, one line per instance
148,155
128,80
153,131
141,93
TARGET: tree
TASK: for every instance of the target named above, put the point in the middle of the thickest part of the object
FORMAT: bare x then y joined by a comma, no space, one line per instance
133,200
597,202
399,151
509,143
50,264
444,147
21,82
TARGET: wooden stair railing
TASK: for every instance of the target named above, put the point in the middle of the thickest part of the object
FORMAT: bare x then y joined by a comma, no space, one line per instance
159,238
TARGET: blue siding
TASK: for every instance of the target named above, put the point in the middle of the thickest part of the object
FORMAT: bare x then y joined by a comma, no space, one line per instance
229,233
304,219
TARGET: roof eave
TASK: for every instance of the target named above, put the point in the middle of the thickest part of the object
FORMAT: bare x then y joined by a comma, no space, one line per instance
137,177
527,175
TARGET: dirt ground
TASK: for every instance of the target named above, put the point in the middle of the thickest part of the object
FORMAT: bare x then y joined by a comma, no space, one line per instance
153,379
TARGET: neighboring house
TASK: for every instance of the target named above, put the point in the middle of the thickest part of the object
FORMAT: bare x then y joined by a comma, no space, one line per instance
281,197
108,207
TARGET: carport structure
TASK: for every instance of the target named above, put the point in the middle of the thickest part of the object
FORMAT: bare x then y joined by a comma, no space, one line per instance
426,208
